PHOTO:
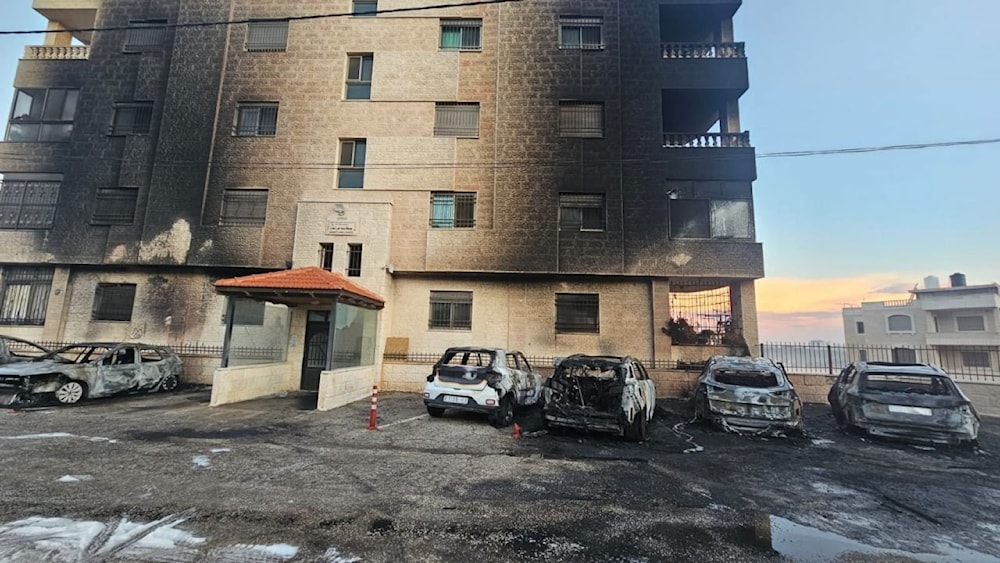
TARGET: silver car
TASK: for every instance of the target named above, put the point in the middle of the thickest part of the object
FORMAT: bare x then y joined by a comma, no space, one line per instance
91,370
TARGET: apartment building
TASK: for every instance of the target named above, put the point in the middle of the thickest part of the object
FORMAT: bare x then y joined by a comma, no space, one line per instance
956,327
550,176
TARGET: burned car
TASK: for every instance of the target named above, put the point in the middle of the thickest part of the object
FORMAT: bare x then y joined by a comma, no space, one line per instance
744,394
917,402
91,370
19,350
490,380
601,393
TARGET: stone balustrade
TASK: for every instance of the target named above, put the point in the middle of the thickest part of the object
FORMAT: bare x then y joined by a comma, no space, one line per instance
703,50
57,52
707,140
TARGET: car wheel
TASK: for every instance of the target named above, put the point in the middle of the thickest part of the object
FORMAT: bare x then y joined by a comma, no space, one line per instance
435,412
71,392
638,429
169,382
504,415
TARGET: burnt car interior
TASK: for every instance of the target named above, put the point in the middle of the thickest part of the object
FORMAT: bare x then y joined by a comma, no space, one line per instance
747,378
596,385
79,354
897,383
466,366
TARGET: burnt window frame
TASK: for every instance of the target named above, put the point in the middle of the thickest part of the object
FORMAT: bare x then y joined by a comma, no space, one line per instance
43,119
145,36
263,126
272,36
138,122
708,218
582,202
461,27
466,202
21,210
37,282
581,22
574,115
106,310
231,212
447,116
350,169
585,307
356,80
450,310
355,258
122,201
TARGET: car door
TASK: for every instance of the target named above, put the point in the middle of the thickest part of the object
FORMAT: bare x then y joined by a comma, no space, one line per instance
648,388
118,371
517,377
838,395
532,381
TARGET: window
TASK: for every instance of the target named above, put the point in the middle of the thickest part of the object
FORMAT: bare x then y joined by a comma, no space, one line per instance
863,355
245,208
326,256
462,35
365,8
27,203
578,312
971,323
976,359
581,119
577,32
904,355
451,309
113,302
267,36
132,118
704,218
456,119
354,260
581,212
352,164
115,206
247,312
144,35
860,326
453,210
42,115
25,295
900,323
359,77
256,119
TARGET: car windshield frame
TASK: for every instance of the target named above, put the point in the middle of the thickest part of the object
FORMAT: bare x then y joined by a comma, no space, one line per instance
465,354
897,382
90,356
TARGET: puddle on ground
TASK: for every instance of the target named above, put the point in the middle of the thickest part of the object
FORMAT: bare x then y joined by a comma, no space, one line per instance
805,544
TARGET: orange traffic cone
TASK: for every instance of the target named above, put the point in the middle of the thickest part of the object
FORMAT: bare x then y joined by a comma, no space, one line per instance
517,431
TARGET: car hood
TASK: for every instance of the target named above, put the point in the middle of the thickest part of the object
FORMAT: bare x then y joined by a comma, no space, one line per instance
34,367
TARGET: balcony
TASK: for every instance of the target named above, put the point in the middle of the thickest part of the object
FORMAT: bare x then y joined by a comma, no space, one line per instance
707,140
68,14
57,52
703,50
709,156
963,338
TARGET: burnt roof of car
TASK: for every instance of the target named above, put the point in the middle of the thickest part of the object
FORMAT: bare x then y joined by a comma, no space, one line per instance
475,349
584,358
905,369
743,363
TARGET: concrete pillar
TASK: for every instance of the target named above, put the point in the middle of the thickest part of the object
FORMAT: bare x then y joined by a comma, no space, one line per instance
743,300
659,299
726,31
58,306
732,116
60,39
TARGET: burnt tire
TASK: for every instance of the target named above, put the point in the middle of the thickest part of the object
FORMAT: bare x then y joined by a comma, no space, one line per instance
638,429
169,382
435,412
71,392
504,415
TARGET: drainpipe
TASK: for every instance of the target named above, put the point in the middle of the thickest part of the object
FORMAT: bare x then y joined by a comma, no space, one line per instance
227,339
332,335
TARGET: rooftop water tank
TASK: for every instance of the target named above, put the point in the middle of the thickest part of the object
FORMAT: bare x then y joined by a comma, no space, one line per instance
932,282
957,280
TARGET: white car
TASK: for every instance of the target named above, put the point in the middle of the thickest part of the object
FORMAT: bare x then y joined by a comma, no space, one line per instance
490,380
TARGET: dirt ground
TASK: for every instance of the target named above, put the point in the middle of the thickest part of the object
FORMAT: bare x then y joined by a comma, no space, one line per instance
267,481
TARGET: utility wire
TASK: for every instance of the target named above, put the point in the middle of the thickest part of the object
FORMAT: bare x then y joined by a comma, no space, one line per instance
219,23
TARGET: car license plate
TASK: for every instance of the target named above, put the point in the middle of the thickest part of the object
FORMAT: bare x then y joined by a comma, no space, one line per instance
455,400
910,410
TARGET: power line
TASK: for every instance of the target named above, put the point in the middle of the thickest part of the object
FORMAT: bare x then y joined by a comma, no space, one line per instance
246,21
858,150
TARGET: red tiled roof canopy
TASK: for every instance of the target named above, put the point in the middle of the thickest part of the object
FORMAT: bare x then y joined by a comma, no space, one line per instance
300,280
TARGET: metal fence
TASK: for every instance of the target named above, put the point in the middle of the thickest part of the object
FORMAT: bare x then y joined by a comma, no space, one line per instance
189,349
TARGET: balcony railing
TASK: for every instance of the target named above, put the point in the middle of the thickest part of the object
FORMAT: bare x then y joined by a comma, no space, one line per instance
57,52
707,140
704,50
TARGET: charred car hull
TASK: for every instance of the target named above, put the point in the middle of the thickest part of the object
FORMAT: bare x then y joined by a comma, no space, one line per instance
942,424
743,410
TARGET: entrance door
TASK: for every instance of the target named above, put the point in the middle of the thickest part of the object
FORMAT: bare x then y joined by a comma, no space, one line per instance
314,359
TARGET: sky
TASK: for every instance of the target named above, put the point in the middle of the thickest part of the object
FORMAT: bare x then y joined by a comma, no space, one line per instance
842,229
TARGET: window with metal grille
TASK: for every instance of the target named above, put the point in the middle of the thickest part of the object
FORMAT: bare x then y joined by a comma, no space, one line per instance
451,309
456,119
453,210
359,77
326,256
25,295
582,212
352,163
971,323
364,8
256,119
267,36
976,359
579,32
354,260
716,219
144,35
28,204
40,114
115,206
578,312
462,35
581,119
113,302
243,208
132,118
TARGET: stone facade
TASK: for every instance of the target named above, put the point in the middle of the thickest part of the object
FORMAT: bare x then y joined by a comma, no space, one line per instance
515,258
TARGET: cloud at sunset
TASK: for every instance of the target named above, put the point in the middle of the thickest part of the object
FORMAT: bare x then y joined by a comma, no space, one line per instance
799,310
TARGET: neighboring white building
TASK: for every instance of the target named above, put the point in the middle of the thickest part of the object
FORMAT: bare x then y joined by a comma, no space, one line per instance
956,327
